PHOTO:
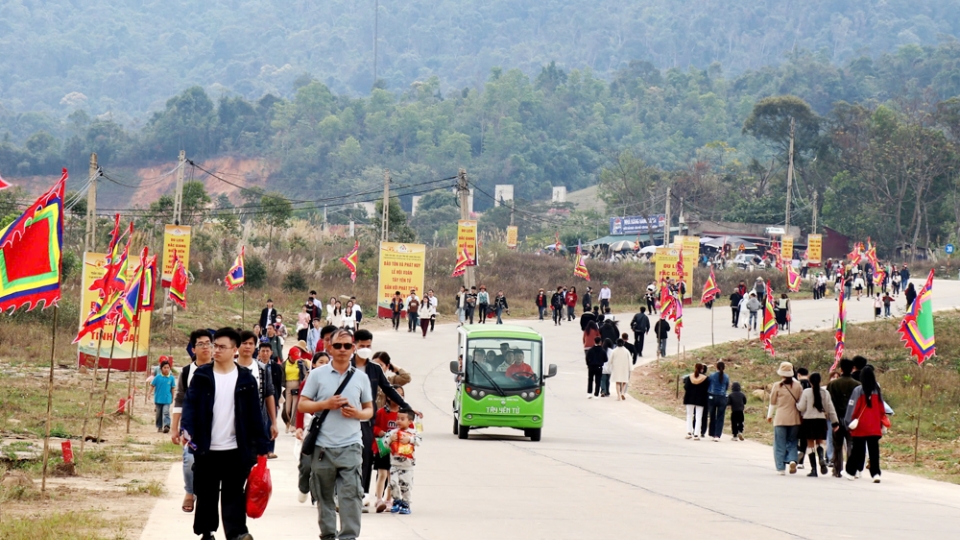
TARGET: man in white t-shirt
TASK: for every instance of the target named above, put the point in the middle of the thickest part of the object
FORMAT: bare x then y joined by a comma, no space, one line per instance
604,297
225,445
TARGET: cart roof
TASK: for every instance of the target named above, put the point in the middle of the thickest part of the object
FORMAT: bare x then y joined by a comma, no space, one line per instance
500,331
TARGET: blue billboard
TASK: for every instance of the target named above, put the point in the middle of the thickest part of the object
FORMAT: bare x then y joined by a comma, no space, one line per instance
622,225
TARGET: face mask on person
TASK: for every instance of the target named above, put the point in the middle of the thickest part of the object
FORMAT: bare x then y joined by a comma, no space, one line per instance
365,353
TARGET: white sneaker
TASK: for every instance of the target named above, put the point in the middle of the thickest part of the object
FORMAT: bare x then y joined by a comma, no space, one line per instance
782,473
689,436
876,479
589,396
847,475
301,497
716,439
696,437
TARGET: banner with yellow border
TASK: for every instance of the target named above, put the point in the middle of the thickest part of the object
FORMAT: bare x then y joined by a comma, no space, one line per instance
691,258
401,269
786,249
122,359
512,233
814,249
176,238
467,238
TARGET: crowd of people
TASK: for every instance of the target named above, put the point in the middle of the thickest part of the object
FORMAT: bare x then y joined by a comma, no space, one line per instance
227,404
814,420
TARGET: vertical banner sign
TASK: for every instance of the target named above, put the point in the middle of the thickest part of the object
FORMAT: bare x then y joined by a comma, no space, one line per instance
175,238
691,259
786,249
665,263
93,268
467,238
814,249
401,269
512,232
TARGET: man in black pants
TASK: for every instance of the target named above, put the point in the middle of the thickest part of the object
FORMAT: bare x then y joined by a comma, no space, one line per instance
640,326
596,357
222,422
378,381
840,390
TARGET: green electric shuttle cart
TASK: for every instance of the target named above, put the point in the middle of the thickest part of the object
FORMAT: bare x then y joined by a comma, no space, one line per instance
500,379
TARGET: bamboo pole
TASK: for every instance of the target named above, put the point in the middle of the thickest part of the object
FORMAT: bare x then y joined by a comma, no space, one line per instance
131,387
916,431
106,384
46,437
93,387
712,344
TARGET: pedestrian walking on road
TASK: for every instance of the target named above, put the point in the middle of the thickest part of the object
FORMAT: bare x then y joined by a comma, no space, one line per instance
403,441
587,300
596,358
695,399
396,310
571,300
816,408
426,313
557,303
910,294
840,391
222,418
343,393
541,302
483,304
735,299
605,297
753,306
413,311
650,297
738,402
866,419
201,342
786,418
500,305
641,327
662,330
620,364
605,371
718,383
163,396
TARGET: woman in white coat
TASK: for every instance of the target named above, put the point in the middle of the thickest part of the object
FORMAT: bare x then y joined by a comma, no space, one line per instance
620,363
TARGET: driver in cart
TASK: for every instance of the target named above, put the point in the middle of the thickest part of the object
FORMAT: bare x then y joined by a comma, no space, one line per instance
517,367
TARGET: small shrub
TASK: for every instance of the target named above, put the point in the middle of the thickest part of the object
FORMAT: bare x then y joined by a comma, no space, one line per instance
256,271
295,280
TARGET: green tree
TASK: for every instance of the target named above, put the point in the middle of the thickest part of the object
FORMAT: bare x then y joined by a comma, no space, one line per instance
275,212
399,230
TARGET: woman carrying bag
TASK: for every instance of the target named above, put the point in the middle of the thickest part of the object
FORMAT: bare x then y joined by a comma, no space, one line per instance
866,419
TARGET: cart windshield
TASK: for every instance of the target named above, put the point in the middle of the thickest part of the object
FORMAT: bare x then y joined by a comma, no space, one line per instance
507,363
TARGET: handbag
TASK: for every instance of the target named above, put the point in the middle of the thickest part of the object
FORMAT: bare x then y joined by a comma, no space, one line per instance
310,439
855,422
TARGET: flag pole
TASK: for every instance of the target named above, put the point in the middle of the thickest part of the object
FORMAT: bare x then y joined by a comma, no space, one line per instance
93,387
106,385
243,307
46,436
916,431
131,387
712,344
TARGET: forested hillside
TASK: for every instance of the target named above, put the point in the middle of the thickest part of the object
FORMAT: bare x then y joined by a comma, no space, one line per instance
128,56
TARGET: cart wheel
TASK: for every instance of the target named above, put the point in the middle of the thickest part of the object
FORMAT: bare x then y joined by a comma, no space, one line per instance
464,431
534,434
456,426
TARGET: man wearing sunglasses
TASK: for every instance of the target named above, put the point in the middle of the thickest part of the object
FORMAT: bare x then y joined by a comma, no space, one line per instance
338,453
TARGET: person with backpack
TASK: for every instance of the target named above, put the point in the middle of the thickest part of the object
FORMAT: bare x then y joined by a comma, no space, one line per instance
640,324
201,342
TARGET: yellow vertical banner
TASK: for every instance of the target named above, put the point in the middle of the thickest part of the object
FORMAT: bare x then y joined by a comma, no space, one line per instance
401,269
93,269
786,249
814,249
512,233
176,238
467,238
665,263
691,258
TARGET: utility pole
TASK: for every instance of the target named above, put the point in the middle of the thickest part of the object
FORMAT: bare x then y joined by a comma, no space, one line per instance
463,192
178,196
814,212
786,227
90,237
680,219
666,226
385,217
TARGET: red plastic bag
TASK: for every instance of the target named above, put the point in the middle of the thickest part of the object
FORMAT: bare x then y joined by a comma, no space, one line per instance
259,488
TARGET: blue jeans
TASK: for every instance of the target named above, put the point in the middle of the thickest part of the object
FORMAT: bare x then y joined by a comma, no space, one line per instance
499,313
662,343
187,471
413,320
542,310
752,321
829,440
163,415
784,445
716,411
605,384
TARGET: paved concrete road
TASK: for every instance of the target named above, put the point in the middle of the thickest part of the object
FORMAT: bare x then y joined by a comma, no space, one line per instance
604,469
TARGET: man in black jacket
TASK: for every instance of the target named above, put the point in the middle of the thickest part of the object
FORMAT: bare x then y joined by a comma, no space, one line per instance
586,319
662,330
640,326
378,382
557,303
267,317
596,358
223,423
609,330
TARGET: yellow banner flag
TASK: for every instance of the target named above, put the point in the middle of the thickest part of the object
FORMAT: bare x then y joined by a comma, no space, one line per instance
814,249
786,249
176,238
512,232
467,238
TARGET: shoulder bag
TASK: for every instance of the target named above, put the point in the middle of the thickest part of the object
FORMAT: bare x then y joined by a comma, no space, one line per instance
310,439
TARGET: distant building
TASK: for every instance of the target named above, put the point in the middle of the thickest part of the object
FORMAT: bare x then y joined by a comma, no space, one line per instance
559,194
414,202
502,192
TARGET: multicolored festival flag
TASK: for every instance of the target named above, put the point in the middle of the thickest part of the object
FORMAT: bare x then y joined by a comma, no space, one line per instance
3,183
580,269
677,315
841,330
710,289
558,246
776,249
178,282
115,270
793,279
916,328
769,327
350,260
463,261
879,276
132,300
31,251
871,255
856,254
103,310
236,277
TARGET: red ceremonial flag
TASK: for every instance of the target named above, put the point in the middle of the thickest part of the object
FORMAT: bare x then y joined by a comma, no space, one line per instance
558,246
463,261
841,333
350,260
793,279
710,290
178,282
680,269
115,265
580,269
769,327
3,183
236,276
